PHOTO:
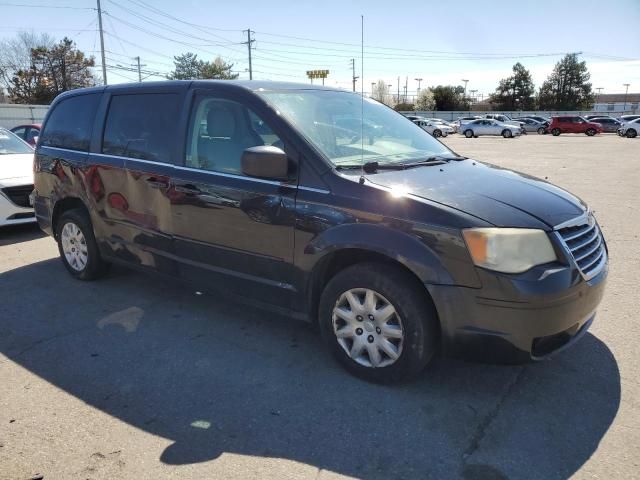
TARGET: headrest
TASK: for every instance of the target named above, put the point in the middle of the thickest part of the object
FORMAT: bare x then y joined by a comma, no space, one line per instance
221,122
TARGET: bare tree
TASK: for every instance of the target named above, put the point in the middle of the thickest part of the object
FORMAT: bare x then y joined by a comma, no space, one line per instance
381,93
16,54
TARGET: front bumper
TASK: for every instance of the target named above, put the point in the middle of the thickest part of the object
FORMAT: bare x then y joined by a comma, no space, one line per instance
517,318
12,213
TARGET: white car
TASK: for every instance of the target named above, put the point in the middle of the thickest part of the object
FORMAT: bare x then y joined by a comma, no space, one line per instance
487,126
630,129
436,129
16,179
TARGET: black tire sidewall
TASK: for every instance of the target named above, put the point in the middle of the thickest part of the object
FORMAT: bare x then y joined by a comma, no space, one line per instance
468,131
437,133
631,133
416,311
95,266
555,132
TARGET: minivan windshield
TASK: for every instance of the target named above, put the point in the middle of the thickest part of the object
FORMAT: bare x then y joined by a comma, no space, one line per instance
10,143
331,121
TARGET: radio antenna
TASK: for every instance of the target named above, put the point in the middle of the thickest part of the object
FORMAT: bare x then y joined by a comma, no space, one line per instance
362,98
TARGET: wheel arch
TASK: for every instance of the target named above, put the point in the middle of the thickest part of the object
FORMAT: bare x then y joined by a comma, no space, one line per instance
382,246
64,205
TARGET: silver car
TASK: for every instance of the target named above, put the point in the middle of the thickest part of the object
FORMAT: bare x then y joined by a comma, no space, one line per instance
436,129
532,125
487,126
609,124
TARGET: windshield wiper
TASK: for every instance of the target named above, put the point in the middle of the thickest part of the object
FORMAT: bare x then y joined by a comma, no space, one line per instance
373,167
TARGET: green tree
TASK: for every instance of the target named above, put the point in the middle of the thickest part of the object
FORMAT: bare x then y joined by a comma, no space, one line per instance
53,70
516,92
189,67
218,69
450,97
425,100
568,86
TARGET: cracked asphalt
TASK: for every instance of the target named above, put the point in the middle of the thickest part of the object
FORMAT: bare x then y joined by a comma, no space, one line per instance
130,377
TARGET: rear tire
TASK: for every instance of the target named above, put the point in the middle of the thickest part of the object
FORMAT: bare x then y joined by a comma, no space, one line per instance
468,133
555,132
398,321
77,246
631,133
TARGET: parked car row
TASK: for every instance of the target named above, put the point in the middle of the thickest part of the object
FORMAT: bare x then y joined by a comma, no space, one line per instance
500,124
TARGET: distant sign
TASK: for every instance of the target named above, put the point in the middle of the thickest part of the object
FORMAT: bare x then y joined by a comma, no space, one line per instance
317,73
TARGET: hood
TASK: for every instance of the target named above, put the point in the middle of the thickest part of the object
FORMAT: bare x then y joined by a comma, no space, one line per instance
501,197
16,168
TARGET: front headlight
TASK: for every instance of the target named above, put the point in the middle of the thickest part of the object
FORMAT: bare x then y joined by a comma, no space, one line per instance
508,250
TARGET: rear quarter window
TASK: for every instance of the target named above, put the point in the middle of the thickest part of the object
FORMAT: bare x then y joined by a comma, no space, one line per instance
142,126
70,123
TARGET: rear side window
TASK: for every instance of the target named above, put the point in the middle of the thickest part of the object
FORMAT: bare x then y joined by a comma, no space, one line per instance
142,126
70,124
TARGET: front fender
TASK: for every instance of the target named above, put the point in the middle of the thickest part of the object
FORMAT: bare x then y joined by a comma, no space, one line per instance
414,247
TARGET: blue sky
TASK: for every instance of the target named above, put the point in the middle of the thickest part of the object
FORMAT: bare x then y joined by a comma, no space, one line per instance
441,42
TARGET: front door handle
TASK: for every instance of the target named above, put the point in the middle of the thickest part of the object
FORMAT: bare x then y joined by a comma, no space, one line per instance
188,189
155,183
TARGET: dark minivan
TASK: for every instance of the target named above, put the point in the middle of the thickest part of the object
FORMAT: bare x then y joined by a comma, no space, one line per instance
392,243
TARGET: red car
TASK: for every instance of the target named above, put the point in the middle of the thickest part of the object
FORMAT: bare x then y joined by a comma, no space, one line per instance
573,124
29,133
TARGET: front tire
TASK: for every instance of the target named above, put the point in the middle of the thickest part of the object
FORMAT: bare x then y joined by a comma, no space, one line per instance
590,132
631,133
437,133
468,133
506,133
555,132
541,131
378,322
77,246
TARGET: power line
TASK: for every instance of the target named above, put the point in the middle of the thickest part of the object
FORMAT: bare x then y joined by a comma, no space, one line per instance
69,7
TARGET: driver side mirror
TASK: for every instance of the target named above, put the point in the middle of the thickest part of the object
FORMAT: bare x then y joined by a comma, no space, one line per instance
265,161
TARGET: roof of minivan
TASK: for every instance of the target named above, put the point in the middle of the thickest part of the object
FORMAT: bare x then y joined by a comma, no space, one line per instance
251,85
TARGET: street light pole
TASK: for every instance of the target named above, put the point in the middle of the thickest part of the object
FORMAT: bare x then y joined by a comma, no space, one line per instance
473,95
373,84
625,96
465,88
419,80
599,89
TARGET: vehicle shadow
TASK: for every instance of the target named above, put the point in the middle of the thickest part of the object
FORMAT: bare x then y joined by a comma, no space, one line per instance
20,233
215,376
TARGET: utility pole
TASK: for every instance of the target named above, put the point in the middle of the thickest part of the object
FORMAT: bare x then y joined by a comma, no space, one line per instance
418,80
473,95
406,86
104,63
139,67
353,68
248,43
398,89
373,84
625,96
